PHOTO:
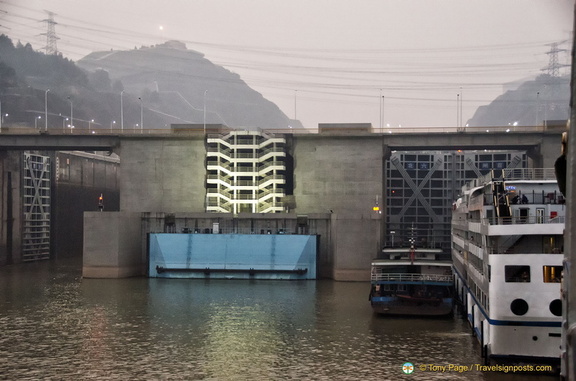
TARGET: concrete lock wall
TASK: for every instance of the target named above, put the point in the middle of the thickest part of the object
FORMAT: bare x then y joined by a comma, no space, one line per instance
162,175
337,183
112,245
81,178
11,207
343,175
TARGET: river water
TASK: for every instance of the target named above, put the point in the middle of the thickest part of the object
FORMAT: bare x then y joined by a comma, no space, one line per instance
56,325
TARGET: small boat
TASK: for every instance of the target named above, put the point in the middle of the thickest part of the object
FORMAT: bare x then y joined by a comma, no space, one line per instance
410,281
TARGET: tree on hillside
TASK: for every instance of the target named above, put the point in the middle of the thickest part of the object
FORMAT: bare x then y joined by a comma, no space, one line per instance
100,80
7,76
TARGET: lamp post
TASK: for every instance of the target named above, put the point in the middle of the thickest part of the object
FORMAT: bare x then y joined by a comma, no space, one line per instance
461,97
112,123
295,111
71,114
205,91
36,121
46,110
537,108
458,112
90,124
383,113
121,111
64,120
141,115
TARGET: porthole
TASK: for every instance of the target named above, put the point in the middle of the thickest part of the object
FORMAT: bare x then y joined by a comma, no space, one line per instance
519,307
556,307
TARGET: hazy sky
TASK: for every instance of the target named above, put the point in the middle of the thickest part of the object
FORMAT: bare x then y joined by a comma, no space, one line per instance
329,61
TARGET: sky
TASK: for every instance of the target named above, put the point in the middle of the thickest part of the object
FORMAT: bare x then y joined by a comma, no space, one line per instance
411,63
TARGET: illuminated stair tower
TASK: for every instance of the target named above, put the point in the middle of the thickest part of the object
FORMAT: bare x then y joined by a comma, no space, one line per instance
246,172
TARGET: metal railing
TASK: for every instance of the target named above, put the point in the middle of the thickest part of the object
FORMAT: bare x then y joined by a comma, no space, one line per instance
511,175
522,220
403,277
270,134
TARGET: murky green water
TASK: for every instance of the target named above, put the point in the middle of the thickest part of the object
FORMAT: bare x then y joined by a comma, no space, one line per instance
56,325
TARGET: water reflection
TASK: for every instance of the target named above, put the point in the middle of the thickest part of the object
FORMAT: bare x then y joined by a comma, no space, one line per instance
60,326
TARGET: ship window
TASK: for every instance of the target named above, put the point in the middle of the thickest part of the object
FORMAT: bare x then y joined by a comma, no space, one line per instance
552,274
517,273
556,307
519,307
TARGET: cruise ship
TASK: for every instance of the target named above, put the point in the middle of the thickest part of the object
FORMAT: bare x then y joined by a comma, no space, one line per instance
507,252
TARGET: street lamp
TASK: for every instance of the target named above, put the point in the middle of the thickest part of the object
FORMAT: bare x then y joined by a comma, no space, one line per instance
121,111
64,120
205,91
90,124
141,115
71,114
46,110
383,116
36,121
111,123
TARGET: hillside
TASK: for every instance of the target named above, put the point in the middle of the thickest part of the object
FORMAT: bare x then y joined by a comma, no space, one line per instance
177,83
168,83
544,98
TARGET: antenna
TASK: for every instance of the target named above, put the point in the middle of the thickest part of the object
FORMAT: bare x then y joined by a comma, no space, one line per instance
50,34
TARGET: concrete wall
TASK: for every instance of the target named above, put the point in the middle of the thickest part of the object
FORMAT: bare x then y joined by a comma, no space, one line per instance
80,179
343,175
112,245
10,207
163,174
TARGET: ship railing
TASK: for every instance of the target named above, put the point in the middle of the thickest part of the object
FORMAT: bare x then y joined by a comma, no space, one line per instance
401,277
527,220
512,174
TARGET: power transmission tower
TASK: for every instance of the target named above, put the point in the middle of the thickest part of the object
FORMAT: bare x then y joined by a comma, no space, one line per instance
50,34
554,66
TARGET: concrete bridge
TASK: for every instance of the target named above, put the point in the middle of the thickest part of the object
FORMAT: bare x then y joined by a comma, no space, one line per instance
337,173
534,139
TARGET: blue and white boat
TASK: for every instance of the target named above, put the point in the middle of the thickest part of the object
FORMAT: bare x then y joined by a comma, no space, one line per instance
411,281
507,251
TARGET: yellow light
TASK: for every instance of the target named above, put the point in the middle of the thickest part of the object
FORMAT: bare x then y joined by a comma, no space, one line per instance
375,208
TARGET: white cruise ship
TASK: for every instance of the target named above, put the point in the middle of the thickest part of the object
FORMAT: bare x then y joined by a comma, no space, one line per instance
507,252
